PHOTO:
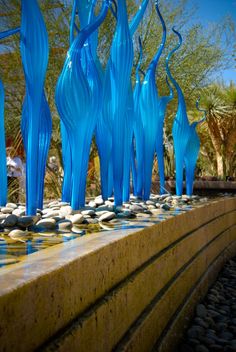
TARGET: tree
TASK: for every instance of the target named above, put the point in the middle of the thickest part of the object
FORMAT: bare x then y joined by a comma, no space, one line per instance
220,103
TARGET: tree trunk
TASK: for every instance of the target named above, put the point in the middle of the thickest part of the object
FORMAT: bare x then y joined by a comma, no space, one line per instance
220,166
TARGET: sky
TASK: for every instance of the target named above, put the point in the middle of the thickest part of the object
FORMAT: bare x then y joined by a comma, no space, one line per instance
213,11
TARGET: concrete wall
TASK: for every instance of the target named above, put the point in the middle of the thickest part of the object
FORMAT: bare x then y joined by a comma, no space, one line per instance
122,291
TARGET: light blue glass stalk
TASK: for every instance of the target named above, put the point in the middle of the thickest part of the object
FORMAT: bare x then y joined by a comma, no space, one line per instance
121,65
3,159
76,107
130,115
3,162
104,141
138,145
81,9
36,120
181,128
149,105
191,153
163,102
45,129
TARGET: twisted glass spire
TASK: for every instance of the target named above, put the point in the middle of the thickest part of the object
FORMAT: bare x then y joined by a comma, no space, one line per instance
3,163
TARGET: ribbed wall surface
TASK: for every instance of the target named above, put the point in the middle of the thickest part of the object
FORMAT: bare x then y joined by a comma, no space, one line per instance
126,291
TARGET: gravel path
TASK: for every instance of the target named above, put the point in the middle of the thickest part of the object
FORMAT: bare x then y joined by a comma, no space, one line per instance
214,325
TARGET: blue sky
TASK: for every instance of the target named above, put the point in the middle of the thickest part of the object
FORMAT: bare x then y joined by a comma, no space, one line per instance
213,11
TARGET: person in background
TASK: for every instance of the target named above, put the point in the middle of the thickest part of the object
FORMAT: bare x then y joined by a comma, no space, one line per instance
14,173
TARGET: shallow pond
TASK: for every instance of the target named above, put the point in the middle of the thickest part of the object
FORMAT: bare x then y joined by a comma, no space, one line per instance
14,250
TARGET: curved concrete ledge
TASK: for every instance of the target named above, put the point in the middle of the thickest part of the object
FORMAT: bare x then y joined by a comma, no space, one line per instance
206,186
123,291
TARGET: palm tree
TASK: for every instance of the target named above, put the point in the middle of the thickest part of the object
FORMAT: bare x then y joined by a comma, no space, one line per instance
220,103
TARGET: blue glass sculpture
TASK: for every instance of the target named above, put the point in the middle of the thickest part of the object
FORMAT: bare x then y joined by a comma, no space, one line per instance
138,146
77,108
121,65
36,119
181,128
149,105
191,153
3,164
130,115
163,102
82,9
9,32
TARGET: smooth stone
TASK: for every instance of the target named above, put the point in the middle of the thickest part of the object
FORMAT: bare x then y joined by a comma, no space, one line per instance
165,207
91,220
52,204
62,204
66,210
226,335
136,208
11,205
77,219
120,209
99,213
49,224
78,230
3,216
215,347
207,340
150,202
201,322
86,216
201,348
10,221
64,225
213,313
51,214
168,199
18,212
150,207
107,216
176,197
18,234
55,208
92,204
163,196
186,348
98,201
201,311
109,203
222,341
46,210
127,214
194,341
104,208
6,210
59,218
26,221
88,212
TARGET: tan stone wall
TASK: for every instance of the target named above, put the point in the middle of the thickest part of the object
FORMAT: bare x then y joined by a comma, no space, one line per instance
125,291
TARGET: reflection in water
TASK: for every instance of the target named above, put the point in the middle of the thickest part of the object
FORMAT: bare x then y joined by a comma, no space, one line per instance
13,250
